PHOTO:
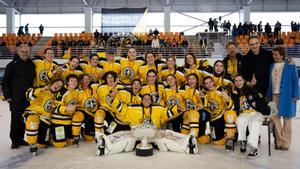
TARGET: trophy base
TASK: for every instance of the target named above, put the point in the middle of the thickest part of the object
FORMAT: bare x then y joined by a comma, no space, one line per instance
144,151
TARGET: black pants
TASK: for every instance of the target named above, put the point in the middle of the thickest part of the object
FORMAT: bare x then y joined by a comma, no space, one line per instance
219,127
17,127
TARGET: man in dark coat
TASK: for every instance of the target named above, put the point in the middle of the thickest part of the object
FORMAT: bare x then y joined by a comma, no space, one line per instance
257,65
18,77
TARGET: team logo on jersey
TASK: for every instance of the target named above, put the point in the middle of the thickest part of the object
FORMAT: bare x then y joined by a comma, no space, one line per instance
72,103
43,75
91,104
93,78
213,104
189,104
155,97
173,101
48,105
128,72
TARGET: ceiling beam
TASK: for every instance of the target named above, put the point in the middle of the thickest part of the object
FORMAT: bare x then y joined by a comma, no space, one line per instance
4,3
85,2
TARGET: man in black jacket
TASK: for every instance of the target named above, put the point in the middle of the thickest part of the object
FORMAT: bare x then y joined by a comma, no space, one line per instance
18,77
257,65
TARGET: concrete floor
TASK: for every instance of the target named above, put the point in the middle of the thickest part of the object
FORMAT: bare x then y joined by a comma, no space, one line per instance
84,157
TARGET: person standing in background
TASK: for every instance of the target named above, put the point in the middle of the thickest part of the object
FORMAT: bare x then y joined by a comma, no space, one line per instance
18,77
284,92
27,29
41,28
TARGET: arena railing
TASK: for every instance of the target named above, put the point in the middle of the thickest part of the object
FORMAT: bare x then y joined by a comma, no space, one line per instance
179,52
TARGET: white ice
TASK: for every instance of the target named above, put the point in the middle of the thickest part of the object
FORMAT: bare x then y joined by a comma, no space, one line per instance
84,157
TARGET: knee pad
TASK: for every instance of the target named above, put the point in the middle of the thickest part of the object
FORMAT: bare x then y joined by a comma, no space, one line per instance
32,127
99,120
78,117
230,117
77,120
99,116
32,122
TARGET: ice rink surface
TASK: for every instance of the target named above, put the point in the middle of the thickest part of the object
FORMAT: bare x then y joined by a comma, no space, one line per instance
83,157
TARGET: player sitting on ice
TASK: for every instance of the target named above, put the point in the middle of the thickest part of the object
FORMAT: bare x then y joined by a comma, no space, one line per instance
135,115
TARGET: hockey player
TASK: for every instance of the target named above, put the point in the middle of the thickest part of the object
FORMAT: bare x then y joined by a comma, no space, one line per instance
252,106
222,115
191,65
218,75
196,116
46,69
38,114
136,115
132,95
150,64
173,96
61,119
103,91
71,68
130,67
109,63
92,68
153,88
85,111
173,69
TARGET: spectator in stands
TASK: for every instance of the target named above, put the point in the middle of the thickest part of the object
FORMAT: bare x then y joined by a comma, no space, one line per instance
251,28
254,28
284,91
246,28
155,32
240,29
223,25
257,65
155,42
233,62
2,42
41,28
235,32
150,31
210,24
20,31
278,41
270,42
216,25
96,36
149,41
4,51
18,77
27,29
268,29
259,28
228,25
162,42
184,42
277,28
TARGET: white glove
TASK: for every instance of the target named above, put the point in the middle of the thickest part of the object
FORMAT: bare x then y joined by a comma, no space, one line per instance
273,108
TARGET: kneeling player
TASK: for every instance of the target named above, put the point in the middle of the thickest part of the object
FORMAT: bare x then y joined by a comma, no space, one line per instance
38,114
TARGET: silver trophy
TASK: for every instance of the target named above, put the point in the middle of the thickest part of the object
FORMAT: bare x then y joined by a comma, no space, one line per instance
144,132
